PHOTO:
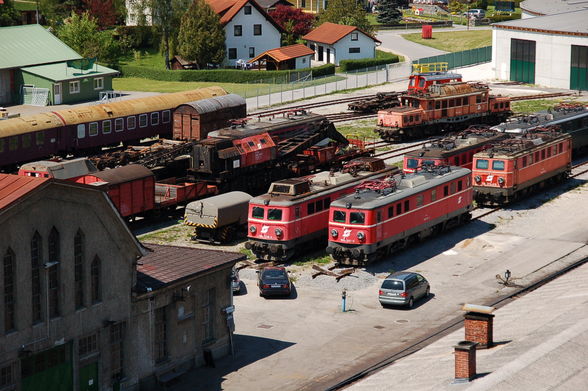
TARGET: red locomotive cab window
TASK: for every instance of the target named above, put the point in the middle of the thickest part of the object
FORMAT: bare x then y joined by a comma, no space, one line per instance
412,163
274,214
451,102
548,151
379,217
431,105
537,156
327,202
422,83
310,208
452,187
560,147
297,212
459,185
444,104
339,216
468,181
542,154
398,209
262,141
356,218
496,106
416,118
406,206
410,118
498,165
420,200
257,212
319,205
456,160
411,83
391,212
445,191
482,164
524,161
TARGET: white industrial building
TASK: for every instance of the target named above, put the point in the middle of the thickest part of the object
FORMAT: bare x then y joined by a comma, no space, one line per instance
532,8
549,50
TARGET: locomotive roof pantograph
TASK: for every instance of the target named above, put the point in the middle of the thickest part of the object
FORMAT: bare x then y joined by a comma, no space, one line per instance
400,187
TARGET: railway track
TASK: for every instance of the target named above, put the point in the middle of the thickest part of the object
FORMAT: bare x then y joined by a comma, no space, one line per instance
540,96
311,105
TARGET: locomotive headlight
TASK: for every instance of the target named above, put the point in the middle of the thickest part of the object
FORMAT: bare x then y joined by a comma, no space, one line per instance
478,179
278,231
360,235
501,181
334,233
253,229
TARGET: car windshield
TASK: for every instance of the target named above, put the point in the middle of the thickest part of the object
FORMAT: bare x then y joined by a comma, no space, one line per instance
395,285
273,274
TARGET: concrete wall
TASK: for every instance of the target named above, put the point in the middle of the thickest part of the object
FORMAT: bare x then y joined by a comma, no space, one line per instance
68,209
269,38
185,333
553,55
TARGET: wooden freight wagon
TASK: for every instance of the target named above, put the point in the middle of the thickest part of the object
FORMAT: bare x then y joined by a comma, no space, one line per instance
194,120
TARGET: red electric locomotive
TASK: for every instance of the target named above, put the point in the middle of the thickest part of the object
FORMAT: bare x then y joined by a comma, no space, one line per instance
456,149
385,216
293,215
521,164
445,107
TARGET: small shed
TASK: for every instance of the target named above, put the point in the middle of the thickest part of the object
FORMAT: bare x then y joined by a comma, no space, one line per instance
178,63
284,58
194,120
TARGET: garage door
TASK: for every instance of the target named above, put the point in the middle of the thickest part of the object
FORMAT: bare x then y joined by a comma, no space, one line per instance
579,68
50,370
522,60
5,94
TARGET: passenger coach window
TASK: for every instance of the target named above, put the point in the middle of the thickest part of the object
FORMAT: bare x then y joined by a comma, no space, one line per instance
339,217
257,212
154,118
356,218
13,143
165,116
93,129
1,146
482,164
119,124
143,120
26,141
412,163
131,122
81,131
274,214
106,127
39,139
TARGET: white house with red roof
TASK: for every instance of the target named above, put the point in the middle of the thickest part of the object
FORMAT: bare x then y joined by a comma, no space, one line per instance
333,43
249,30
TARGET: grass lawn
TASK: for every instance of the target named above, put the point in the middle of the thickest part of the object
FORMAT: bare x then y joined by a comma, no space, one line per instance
531,106
454,41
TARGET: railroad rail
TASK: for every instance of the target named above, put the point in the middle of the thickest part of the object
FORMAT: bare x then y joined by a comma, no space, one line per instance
310,105
540,96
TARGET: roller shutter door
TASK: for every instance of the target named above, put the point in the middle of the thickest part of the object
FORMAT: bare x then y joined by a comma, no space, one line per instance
579,68
5,94
522,60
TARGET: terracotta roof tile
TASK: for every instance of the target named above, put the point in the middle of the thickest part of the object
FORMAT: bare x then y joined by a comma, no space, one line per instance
13,187
168,264
227,9
285,53
330,33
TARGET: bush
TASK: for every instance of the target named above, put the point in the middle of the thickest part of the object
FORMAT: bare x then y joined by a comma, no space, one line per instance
350,65
137,37
225,75
501,18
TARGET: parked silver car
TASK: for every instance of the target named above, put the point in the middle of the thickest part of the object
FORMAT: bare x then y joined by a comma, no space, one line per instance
475,13
403,288
235,281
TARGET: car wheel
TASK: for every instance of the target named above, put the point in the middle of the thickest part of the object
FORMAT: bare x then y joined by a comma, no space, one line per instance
410,303
427,292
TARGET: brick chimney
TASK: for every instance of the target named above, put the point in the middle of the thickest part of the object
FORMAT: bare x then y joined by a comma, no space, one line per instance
465,361
478,325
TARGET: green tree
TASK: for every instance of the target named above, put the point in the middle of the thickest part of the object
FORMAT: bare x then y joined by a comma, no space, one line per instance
201,37
389,12
348,12
81,33
167,15
9,16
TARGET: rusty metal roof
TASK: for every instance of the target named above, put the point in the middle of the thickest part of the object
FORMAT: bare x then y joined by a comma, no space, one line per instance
29,123
285,53
210,105
169,264
124,174
330,33
13,187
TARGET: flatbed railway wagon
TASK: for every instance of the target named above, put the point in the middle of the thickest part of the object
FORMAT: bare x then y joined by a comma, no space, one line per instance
521,164
218,219
455,149
293,216
385,216
444,108
86,129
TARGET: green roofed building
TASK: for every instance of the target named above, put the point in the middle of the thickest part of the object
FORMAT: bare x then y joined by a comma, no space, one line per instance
32,56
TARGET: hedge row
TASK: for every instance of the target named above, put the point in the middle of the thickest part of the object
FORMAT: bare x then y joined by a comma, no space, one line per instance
226,75
350,65
502,18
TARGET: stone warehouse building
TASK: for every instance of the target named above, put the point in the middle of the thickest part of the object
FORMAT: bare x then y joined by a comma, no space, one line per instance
80,309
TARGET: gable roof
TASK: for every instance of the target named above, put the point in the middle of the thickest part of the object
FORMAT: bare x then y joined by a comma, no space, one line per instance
228,9
59,71
330,33
566,23
31,45
13,187
285,53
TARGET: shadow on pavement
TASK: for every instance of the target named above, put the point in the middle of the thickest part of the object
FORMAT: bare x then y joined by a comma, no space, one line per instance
248,349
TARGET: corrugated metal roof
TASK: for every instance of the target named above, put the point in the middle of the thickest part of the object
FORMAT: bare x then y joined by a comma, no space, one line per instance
218,102
574,22
60,71
548,7
285,53
31,45
169,264
124,174
13,187
330,33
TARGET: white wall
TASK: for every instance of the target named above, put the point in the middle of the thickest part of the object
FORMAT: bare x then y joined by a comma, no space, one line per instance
552,56
269,38
340,50
303,62
133,6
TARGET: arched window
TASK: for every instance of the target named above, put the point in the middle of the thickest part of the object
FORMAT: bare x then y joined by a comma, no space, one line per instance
36,252
95,274
53,272
79,269
9,291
